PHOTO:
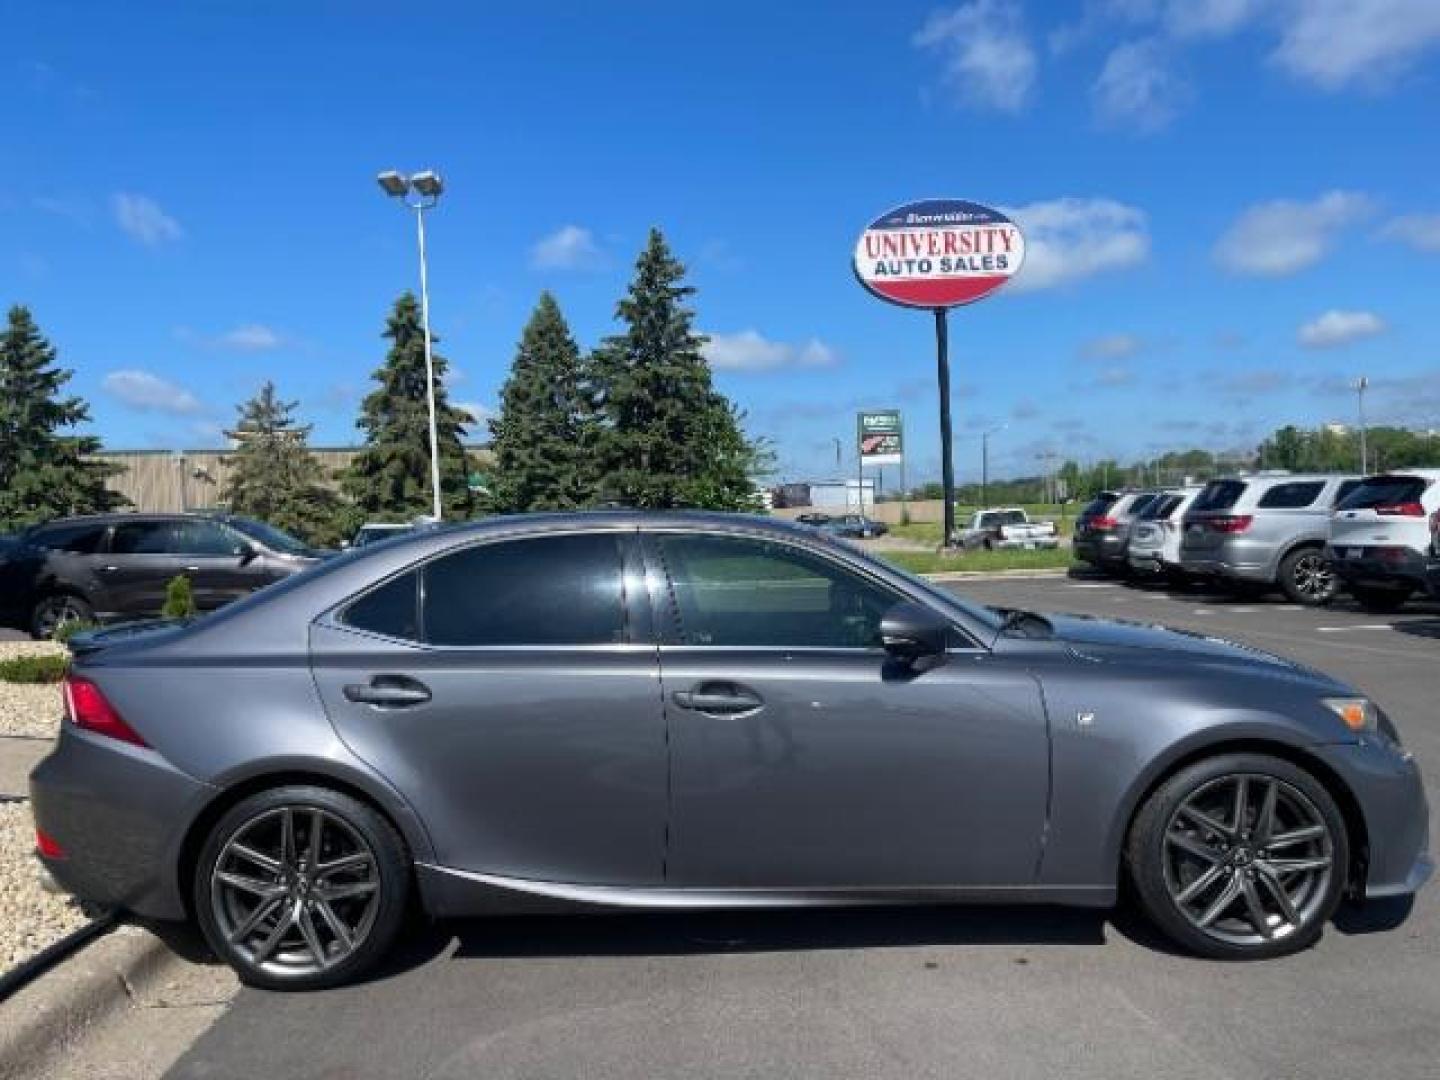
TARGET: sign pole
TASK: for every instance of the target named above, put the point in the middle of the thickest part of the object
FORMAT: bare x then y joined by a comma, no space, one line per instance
947,466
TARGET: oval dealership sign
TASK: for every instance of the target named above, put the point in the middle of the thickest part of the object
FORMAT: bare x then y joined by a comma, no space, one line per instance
937,253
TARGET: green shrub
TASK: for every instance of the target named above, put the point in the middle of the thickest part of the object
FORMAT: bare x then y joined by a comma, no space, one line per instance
46,668
65,631
179,599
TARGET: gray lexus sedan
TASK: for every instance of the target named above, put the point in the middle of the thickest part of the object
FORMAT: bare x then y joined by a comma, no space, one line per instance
697,711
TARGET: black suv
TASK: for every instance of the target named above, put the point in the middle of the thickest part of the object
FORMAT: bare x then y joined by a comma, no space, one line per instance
116,566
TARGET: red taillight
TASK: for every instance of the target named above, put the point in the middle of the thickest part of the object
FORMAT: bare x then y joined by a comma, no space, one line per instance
45,844
1233,523
1404,509
1103,524
86,707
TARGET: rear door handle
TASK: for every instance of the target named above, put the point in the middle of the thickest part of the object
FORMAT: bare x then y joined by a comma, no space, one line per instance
718,698
388,691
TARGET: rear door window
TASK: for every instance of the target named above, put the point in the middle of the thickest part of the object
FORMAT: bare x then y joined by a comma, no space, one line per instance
1291,496
83,539
1218,495
1384,491
1161,508
141,538
393,609
545,590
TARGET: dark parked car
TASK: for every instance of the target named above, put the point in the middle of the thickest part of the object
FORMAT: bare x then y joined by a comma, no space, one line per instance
814,518
1102,531
116,566
697,711
855,526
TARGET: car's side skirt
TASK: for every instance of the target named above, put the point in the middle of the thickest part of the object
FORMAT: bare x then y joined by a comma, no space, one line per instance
450,892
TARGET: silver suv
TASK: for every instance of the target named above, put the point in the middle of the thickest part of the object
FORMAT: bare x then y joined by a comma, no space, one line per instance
1266,530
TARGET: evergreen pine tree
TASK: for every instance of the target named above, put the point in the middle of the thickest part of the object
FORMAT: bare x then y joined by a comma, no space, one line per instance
275,477
43,474
543,438
667,438
390,478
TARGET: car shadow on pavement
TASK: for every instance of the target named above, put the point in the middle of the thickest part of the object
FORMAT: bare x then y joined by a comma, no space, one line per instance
1427,628
793,930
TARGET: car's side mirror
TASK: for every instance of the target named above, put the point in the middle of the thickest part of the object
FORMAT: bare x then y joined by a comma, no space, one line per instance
247,552
910,631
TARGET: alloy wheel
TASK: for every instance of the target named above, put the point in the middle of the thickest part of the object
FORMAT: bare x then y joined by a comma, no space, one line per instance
1313,577
56,613
1248,859
295,890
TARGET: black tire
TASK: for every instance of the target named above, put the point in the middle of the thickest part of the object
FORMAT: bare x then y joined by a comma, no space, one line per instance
1306,577
1148,854
56,610
382,917
1379,598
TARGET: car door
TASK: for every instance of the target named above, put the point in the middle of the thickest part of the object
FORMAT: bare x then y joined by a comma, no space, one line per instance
137,566
510,691
221,564
802,757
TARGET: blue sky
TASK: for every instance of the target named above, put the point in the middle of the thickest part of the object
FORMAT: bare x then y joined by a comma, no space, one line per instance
1231,206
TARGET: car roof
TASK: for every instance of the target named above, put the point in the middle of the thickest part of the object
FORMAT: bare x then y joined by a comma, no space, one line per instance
120,517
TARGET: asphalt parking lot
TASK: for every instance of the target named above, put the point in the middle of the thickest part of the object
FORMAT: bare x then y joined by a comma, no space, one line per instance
941,992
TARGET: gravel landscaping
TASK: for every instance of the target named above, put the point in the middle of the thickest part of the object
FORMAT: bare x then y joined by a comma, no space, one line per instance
27,709
30,918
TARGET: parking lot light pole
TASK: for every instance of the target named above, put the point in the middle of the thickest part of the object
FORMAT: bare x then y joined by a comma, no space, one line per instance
1361,385
985,463
426,187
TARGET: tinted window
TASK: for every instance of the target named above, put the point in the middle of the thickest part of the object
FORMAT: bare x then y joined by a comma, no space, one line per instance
1384,491
1097,506
1161,508
736,591
203,538
1139,503
273,538
141,538
393,609
996,518
1291,496
1218,495
1346,486
549,590
78,539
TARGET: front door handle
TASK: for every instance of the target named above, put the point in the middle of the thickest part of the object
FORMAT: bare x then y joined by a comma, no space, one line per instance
388,691
720,698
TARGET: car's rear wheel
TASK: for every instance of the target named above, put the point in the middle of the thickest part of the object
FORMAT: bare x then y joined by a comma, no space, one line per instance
1380,598
1241,856
54,613
300,888
1306,577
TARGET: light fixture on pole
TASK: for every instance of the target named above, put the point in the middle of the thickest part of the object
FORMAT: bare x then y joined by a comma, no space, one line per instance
426,187
1361,385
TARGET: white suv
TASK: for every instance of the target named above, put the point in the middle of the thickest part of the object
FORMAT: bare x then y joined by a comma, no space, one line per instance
1385,538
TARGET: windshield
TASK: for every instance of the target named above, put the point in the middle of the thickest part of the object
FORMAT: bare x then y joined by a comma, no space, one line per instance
273,538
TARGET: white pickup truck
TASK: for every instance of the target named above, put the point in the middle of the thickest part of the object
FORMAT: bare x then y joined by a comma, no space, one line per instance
1007,528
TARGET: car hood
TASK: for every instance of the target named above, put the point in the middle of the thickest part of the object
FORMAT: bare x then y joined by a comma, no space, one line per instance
1112,638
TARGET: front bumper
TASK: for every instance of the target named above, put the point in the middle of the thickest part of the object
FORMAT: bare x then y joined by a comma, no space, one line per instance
1391,797
120,814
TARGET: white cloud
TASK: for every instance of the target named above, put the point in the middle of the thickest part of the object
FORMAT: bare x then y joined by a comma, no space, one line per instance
144,392
1067,240
1336,42
1111,347
570,247
750,351
1115,375
1285,236
251,337
989,61
1139,88
143,219
1336,328
1420,231
1208,18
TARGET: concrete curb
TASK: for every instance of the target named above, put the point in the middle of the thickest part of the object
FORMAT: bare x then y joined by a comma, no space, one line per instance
41,1020
995,575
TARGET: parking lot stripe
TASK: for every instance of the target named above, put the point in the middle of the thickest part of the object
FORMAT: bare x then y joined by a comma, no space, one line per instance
1356,626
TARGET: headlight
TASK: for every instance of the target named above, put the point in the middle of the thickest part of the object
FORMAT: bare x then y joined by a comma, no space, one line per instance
1357,714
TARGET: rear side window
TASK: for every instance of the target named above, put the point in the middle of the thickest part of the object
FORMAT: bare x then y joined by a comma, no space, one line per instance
546,590
1384,491
76,539
393,609
1161,508
1218,495
1140,502
1291,496
141,538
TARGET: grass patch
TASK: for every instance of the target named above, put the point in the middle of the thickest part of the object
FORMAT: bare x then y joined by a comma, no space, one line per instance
46,668
932,562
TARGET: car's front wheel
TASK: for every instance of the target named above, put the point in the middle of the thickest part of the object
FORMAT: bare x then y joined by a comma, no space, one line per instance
1241,856
54,613
300,888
